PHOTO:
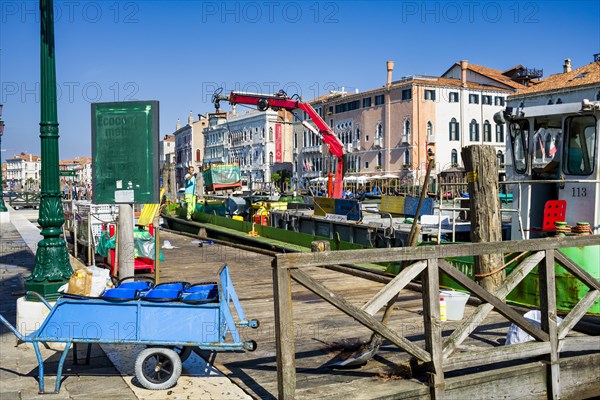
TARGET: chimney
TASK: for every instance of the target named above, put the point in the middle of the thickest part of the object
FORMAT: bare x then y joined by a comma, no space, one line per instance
390,69
178,126
191,118
463,72
567,66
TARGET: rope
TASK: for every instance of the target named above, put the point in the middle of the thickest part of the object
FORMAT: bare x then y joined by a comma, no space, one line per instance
581,229
502,267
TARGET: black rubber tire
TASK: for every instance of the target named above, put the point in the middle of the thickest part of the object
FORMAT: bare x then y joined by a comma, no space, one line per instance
157,368
184,352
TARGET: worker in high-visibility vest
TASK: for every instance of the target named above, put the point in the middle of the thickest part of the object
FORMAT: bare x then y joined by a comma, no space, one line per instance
190,192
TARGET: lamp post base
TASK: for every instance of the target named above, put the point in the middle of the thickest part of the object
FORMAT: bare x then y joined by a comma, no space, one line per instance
4,217
52,268
48,290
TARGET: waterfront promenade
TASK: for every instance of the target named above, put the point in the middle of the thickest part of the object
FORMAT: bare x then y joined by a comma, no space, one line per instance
110,372
323,334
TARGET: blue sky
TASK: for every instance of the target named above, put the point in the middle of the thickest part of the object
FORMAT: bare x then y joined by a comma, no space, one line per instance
178,52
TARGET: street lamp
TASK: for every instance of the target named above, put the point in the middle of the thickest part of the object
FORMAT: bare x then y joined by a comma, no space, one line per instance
52,266
2,205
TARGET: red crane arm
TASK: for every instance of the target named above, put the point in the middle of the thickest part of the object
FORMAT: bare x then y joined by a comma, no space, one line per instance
335,146
266,101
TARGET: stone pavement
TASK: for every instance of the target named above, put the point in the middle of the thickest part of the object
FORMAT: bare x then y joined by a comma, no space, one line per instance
106,377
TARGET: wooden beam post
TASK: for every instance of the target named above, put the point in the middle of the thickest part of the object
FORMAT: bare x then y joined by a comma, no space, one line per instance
481,165
549,322
433,328
284,332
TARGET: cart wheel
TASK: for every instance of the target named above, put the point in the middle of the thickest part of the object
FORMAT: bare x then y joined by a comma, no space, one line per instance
157,368
184,352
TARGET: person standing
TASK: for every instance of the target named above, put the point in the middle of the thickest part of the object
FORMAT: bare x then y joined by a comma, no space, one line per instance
190,192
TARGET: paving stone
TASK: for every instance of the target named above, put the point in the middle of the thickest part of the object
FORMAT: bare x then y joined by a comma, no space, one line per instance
98,380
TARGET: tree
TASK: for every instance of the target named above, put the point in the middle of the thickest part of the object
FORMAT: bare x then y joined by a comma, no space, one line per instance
276,179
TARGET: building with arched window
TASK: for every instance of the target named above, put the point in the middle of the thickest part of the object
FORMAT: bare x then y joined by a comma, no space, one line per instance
405,119
188,141
258,141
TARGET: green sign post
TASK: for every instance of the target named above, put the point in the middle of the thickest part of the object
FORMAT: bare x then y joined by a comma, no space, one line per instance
67,173
125,138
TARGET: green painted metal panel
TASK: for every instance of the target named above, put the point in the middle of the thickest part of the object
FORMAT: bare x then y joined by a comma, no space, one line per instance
569,289
125,153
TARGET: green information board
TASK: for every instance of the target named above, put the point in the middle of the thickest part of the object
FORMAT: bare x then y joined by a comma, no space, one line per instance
125,153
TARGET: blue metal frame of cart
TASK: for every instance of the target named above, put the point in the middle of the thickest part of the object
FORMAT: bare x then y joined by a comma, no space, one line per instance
95,320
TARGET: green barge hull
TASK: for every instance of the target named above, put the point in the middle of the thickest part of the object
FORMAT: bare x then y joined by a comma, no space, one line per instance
569,289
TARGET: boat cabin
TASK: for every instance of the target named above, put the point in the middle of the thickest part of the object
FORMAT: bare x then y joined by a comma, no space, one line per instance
553,153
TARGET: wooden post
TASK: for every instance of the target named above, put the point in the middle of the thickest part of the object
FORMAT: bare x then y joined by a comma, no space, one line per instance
90,240
549,323
156,250
75,237
433,328
172,182
165,179
284,332
481,165
125,232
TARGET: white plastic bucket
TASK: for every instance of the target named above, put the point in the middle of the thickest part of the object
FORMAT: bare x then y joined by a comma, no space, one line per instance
455,304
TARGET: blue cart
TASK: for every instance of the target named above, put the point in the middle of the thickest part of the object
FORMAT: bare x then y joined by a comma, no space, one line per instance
171,319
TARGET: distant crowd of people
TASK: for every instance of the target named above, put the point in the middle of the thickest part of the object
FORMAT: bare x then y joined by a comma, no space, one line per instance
77,192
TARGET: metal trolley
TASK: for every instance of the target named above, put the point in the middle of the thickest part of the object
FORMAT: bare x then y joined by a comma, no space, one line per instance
171,323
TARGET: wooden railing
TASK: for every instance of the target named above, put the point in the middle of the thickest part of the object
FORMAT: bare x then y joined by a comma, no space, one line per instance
25,199
428,261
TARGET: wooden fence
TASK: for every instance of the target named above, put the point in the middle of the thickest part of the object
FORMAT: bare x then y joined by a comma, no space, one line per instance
428,261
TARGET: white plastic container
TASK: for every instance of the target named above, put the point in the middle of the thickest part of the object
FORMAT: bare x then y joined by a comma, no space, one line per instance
455,304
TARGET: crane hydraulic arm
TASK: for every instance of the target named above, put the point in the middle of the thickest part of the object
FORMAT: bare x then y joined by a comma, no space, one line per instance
280,100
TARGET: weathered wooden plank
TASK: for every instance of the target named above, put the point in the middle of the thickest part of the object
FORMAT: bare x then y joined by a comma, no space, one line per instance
284,332
580,343
392,288
303,260
360,272
433,328
358,314
577,313
549,322
579,375
321,333
501,307
479,315
496,355
576,270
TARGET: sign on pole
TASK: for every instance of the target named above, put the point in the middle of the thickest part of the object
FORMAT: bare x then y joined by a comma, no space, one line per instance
125,153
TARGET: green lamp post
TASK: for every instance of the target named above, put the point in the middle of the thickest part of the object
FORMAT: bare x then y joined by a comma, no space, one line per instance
2,205
52,267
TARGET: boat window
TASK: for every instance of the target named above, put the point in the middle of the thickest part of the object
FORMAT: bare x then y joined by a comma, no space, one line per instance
580,145
519,130
545,144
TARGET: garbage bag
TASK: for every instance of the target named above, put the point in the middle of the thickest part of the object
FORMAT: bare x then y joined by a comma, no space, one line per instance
80,282
143,245
105,243
100,280
517,335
